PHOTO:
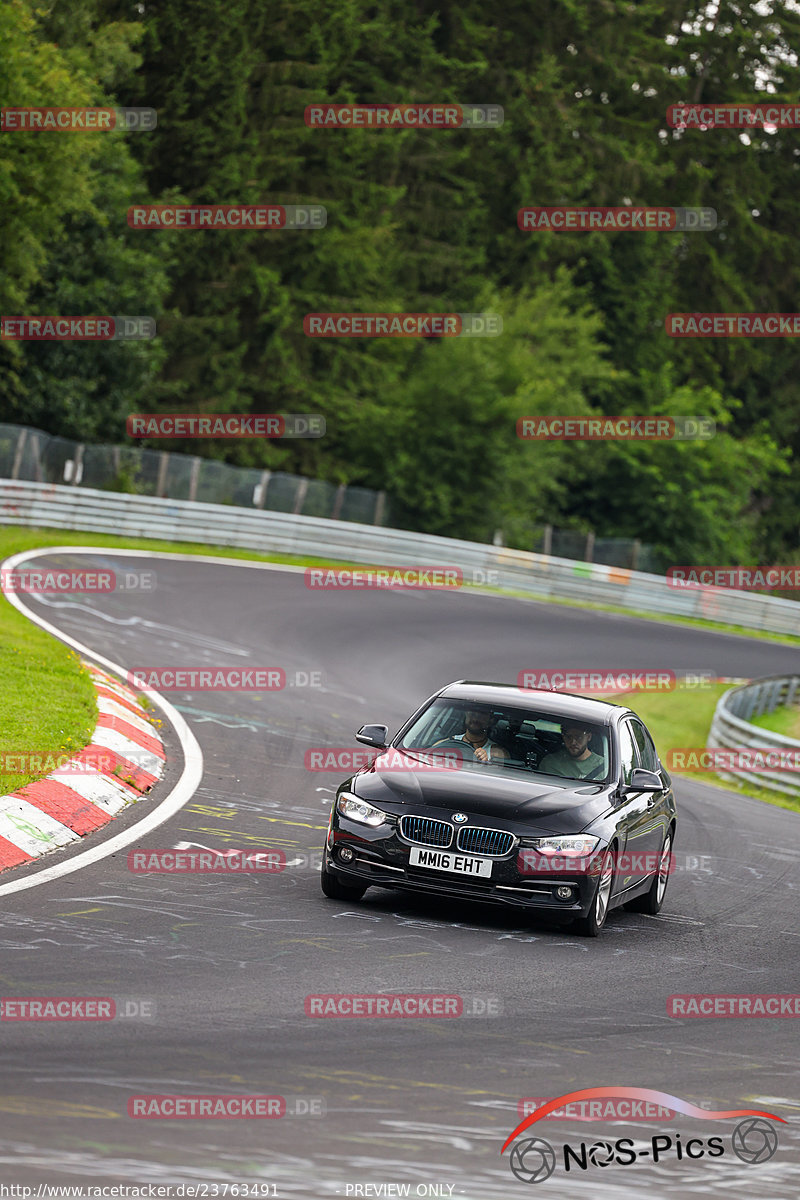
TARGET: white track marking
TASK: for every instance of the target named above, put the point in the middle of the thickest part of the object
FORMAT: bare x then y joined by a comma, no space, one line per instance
192,773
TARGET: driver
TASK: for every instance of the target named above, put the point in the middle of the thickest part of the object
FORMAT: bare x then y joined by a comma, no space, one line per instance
575,760
476,735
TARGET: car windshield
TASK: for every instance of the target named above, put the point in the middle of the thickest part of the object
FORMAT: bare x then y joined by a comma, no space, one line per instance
498,738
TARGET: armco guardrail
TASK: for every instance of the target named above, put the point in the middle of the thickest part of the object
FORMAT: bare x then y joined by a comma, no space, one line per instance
39,457
31,454
731,728
52,506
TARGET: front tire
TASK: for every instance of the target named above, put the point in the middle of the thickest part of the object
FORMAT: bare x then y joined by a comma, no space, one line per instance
650,901
335,890
595,919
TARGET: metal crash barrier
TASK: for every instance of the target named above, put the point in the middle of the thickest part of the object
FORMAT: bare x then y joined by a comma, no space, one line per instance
732,728
57,506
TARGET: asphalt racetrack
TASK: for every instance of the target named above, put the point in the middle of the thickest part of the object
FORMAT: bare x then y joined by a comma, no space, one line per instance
227,961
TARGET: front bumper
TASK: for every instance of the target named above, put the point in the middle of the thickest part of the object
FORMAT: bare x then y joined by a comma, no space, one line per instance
381,860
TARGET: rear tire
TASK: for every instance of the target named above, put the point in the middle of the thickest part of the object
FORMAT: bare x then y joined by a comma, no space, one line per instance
650,901
335,890
595,919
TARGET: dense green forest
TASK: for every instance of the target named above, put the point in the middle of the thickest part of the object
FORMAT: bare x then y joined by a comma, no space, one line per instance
422,221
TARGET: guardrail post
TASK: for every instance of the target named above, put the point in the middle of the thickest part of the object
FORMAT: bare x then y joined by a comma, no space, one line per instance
260,494
161,484
300,498
23,434
774,697
74,475
380,508
589,552
547,540
194,476
37,459
338,501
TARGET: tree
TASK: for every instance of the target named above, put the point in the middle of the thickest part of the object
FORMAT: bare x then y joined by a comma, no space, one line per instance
67,247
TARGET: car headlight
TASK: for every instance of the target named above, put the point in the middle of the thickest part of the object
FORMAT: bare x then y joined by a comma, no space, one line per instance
358,810
578,844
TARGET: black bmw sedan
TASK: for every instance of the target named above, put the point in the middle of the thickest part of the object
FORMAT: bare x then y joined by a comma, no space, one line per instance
547,801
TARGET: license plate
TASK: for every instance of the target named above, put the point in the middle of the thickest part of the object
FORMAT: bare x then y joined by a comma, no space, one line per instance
445,860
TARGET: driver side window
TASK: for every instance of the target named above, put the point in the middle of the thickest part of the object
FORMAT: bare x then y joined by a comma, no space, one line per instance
627,751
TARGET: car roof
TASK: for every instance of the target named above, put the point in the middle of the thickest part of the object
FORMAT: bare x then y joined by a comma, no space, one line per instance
559,704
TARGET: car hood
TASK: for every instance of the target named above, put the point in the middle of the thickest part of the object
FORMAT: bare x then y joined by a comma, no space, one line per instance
515,798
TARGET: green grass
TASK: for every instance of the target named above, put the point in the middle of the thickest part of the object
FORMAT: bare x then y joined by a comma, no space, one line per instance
47,699
682,719
677,719
785,721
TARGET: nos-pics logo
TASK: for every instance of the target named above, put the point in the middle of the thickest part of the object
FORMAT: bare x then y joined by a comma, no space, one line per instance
533,1159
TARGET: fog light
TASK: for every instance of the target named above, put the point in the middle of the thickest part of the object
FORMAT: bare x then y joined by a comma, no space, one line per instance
564,893
346,854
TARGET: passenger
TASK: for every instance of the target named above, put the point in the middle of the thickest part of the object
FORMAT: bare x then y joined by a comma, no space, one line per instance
575,760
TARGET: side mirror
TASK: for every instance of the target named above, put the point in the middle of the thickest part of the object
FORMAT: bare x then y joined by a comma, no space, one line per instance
642,781
374,735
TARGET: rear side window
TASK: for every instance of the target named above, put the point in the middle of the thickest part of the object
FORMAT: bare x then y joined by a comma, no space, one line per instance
647,751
